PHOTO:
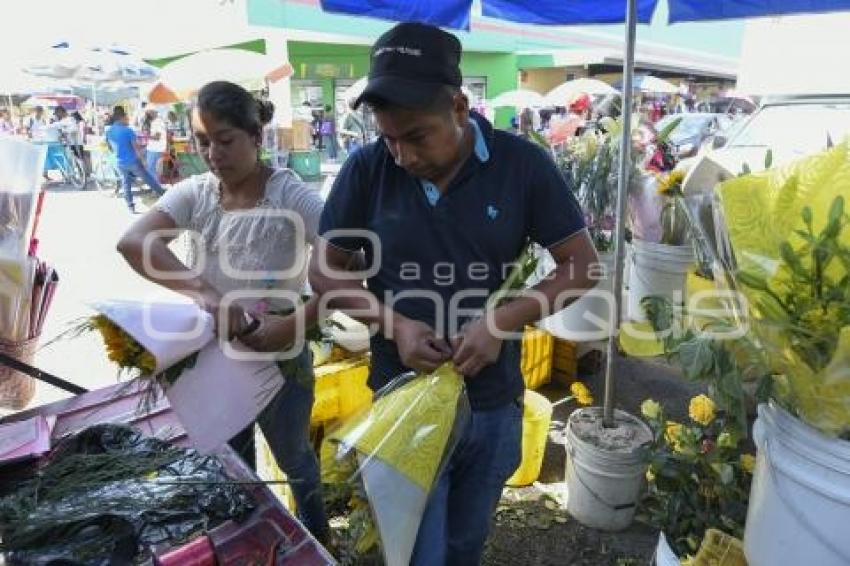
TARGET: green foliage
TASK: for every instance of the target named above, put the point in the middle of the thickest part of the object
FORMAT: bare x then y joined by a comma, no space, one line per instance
696,480
706,355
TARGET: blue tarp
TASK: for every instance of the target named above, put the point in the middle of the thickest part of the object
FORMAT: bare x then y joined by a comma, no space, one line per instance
697,10
456,13
445,13
560,12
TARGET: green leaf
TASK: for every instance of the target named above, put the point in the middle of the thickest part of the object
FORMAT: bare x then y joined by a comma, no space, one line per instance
791,259
751,280
664,134
540,140
697,358
807,215
725,472
768,159
836,213
745,169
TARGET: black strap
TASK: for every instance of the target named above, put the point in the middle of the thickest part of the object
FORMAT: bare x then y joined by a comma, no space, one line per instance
40,375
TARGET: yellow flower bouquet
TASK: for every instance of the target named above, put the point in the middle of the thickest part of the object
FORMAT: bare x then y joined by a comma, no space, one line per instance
788,229
172,350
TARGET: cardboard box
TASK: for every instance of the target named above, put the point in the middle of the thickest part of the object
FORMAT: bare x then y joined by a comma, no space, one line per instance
302,135
285,138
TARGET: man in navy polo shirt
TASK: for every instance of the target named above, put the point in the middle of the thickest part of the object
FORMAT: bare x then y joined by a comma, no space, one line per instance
449,203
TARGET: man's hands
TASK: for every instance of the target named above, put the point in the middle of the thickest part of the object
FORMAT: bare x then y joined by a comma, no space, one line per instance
422,350
475,348
418,347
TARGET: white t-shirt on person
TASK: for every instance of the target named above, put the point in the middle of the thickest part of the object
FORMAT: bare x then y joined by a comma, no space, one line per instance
157,127
248,249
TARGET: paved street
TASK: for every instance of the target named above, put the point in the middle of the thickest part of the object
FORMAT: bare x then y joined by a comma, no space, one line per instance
77,234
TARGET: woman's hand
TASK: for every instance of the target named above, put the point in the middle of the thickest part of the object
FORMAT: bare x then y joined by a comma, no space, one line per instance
230,320
274,333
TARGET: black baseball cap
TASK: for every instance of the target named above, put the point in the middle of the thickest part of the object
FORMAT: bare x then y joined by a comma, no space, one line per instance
410,63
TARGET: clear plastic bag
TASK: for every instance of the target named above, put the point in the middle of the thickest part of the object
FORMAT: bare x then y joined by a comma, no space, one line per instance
781,239
20,173
393,452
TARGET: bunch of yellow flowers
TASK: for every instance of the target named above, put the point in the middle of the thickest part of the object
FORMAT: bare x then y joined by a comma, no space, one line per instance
122,348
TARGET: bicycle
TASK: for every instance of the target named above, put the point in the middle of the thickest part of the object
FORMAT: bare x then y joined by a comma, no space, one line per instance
61,157
105,173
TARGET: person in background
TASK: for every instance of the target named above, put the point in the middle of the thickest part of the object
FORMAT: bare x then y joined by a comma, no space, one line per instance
6,126
316,125
526,122
174,125
68,130
328,132
36,124
82,135
139,116
157,141
233,207
353,131
124,143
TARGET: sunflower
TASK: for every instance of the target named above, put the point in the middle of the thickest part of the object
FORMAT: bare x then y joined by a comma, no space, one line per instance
670,185
122,348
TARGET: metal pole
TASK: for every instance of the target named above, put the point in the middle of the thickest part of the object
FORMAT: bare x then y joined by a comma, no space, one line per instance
622,198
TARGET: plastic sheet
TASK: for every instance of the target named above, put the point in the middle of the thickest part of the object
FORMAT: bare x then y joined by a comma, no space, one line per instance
107,495
787,250
394,452
20,174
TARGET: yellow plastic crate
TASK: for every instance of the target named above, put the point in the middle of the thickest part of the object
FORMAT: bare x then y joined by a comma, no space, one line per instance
536,417
267,470
719,549
340,389
564,361
536,362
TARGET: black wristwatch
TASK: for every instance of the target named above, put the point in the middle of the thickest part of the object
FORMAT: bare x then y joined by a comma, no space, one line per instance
252,326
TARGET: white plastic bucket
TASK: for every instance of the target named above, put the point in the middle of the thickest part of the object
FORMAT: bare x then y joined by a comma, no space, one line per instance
657,270
799,510
588,318
603,483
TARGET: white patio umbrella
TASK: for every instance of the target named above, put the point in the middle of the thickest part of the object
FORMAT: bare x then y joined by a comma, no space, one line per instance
96,66
250,70
654,84
519,98
563,93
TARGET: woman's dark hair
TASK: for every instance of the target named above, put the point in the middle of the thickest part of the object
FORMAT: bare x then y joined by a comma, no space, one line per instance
236,106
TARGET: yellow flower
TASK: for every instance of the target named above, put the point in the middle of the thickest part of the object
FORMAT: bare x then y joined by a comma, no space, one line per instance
671,184
701,410
650,475
147,363
122,348
581,393
673,435
650,409
748,462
